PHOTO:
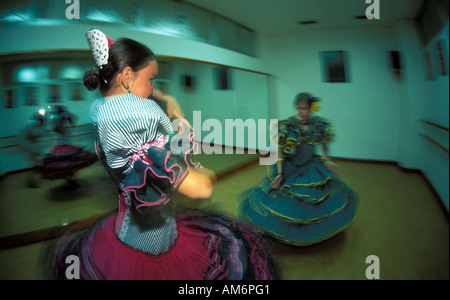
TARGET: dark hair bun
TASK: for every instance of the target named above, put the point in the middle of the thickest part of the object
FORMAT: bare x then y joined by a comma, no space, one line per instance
123,53
91,79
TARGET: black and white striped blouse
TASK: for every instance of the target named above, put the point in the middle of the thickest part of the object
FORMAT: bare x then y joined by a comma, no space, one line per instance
126,123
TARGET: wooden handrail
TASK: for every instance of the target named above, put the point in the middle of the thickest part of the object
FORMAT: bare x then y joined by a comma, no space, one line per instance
435,125
434,142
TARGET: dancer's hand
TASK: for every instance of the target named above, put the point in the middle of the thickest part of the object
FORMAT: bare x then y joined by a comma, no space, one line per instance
276,183
174,110
198,184
332,167
184,125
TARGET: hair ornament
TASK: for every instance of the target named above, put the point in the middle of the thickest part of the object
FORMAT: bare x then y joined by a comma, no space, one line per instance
99,44
315,104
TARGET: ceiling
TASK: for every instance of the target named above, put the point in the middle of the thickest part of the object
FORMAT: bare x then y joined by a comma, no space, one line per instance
270,17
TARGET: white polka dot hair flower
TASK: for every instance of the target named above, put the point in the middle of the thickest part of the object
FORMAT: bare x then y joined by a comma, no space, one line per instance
99,44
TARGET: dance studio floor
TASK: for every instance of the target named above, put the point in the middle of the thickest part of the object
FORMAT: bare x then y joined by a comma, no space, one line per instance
400,220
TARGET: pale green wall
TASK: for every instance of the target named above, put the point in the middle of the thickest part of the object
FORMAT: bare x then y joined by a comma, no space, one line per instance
434,161
365,111
248,97
23,38
376,115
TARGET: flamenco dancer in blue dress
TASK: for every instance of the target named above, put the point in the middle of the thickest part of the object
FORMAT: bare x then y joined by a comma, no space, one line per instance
302,201
146,239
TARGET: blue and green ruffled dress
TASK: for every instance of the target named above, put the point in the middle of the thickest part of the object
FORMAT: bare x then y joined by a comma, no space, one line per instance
312,204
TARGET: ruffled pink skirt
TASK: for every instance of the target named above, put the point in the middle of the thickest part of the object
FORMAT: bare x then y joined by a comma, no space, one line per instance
207,247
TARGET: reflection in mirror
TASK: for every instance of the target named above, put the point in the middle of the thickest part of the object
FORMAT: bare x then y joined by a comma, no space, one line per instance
222,103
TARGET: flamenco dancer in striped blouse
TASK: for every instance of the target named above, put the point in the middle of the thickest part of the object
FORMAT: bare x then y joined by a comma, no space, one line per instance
145,239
